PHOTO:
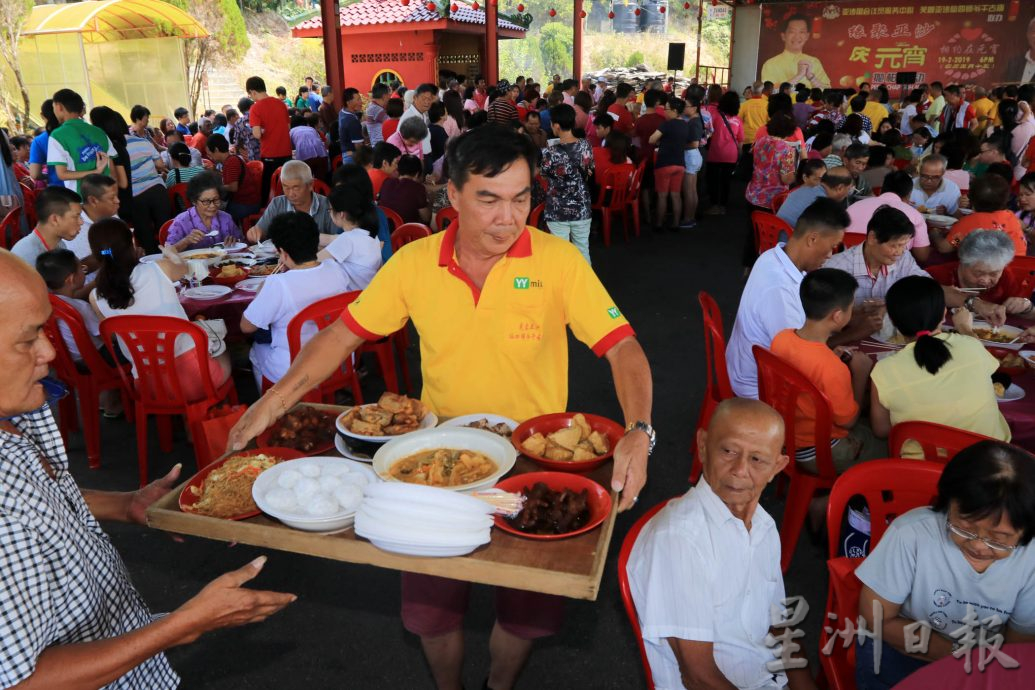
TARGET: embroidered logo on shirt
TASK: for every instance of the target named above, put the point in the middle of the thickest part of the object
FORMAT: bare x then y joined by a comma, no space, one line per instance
614,313
523,283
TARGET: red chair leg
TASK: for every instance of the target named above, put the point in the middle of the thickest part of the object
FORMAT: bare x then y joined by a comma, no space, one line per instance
165,432
142,445
90,408
386,360
400,342
795,511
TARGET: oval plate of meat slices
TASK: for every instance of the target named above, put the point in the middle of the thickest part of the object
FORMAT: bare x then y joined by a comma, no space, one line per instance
390,417
224,488
558,505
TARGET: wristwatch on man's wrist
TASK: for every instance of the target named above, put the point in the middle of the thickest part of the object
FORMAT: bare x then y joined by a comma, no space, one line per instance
969,303
646,428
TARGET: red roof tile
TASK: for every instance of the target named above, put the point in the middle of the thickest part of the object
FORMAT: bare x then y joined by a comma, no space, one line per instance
370,12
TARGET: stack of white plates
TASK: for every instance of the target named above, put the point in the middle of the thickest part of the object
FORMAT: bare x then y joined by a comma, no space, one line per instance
418,520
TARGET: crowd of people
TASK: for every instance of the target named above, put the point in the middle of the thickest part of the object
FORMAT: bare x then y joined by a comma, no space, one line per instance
319,184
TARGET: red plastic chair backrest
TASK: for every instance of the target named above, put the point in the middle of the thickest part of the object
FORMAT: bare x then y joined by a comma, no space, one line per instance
188,139
254,168
876,190
778,200
623,583
1022,271
636,182
178,198
446,216
781,385
163,232
843,601
29,205
938,442
149,342
767,230
536,216
394,219
10,228
321,187
65,365
408,232
890,487
323,313
276,189
336,162
617,182
852,239
718,378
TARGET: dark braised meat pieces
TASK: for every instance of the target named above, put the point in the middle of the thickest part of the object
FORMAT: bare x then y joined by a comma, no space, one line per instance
305,429
551,512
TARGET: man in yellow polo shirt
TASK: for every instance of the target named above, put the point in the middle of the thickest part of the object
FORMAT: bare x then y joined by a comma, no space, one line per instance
793,65
491,300
754,112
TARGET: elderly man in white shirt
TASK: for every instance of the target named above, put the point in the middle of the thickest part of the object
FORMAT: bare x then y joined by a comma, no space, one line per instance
705,571
770,301
423,97
932,191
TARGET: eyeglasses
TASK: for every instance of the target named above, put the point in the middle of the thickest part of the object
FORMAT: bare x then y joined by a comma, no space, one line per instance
932,177
970,536
208,202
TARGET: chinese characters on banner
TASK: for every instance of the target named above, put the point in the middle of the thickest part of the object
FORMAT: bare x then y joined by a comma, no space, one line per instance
843,44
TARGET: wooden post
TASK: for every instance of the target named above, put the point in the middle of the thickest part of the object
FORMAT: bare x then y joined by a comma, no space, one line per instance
576,52
697,64
334,64
492,65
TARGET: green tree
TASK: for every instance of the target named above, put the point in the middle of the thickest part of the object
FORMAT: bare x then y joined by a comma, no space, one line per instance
13,14
227,40
556,42
635,58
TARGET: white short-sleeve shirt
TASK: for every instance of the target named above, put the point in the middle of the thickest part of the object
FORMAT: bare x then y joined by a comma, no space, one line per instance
696,573
769,304
916,564
358,255
947,195
281,298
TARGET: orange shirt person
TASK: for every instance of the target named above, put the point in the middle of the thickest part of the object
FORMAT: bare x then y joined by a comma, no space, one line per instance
989,195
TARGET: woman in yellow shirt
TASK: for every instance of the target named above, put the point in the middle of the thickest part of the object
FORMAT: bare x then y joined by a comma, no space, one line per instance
937,377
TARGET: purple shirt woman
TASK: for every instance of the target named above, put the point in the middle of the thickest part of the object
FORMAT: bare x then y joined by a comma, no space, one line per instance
190,229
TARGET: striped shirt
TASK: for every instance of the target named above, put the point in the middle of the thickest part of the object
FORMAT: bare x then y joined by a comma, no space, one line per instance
142,157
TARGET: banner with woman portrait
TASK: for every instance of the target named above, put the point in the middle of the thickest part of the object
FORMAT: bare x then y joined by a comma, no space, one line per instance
842,44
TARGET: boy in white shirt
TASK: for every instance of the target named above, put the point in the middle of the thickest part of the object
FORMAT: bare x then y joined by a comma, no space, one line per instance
306,280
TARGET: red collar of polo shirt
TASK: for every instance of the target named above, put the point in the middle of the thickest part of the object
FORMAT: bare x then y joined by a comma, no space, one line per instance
521,249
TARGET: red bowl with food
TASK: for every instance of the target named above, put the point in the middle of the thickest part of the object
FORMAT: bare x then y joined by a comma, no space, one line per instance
534,439
192,491
216,275
597,503
1010,361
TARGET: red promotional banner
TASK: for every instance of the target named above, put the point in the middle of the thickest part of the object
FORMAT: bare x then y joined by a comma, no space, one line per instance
842,44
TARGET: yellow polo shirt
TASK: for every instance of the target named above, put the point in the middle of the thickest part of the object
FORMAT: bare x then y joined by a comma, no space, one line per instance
502,349
984,111
754,112
876,112
783,67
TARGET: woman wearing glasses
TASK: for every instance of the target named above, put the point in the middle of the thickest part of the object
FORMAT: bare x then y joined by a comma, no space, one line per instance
203,225
963,561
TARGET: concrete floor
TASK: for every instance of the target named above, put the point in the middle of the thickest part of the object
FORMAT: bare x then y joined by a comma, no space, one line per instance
344,631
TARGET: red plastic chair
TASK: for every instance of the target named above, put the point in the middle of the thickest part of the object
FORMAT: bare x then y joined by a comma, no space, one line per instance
188,139
321,187
767,230
718,386
633,199
163,232
323,313
29,205
778,200
1022,271
336,162
938,442
394,219
890,488
781,385
408,232
876,190
248,222
276,189
626,592
178,200
86,378
157,390
851,239
612,199
536,216
446,216
10,228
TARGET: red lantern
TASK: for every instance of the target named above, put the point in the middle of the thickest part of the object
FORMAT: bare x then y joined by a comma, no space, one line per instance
662,9
637,11
686,5
521,8
610,15
582,14
454,7
553,12
430,6
474,5
715,3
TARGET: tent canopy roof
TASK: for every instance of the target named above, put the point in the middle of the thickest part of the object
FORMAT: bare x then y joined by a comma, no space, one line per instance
99,21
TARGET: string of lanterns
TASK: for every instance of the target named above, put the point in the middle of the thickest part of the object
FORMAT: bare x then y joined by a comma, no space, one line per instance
552,12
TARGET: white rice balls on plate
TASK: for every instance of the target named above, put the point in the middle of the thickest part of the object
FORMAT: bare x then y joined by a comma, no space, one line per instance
322,506
288,479
316,490
349,496
282,499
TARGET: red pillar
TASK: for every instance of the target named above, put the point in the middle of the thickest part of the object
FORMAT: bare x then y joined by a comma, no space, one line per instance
697,62
332,58
576,50
492,63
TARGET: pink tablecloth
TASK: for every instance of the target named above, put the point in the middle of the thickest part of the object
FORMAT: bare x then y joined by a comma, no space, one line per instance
229,308
949,673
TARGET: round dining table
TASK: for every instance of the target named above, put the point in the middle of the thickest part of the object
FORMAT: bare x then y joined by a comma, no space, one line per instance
949,673
229,308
